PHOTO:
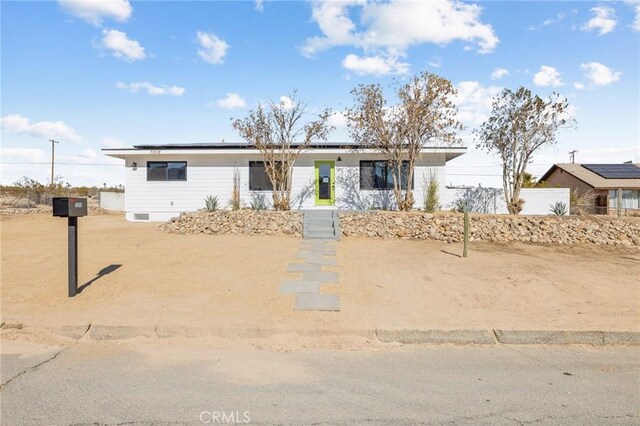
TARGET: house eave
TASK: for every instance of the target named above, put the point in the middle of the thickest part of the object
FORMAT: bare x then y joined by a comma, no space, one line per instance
123,153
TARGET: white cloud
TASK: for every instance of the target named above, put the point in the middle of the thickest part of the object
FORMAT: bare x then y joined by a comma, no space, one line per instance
121,46
604,20
88,154
374,65
16,123
231,101
32,155
547,76
474,101
213,49
636,21
337,120
94,11
547,22
151,89
578,85
388,29
599,74
259,4
499,73
286,102
110,142
435,62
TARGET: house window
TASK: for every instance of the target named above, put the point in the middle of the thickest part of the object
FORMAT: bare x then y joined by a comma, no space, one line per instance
258,178
166,170
379,175
630,199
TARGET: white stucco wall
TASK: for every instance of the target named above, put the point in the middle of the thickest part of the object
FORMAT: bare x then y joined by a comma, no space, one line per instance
212,174
112,200
538,201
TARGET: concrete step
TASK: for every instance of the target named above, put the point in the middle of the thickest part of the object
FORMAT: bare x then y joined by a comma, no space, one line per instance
319,228
318,221
320,236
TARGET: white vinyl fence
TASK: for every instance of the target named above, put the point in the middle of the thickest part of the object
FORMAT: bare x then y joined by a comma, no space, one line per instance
112,200
538,201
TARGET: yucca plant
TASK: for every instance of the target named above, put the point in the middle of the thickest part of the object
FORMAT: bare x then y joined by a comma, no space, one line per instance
258,201
461,206
559,209
212,203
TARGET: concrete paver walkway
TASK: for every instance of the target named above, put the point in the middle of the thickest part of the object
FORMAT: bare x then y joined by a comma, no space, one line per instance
317,250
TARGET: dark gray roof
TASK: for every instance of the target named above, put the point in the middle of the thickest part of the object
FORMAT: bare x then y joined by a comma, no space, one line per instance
241,145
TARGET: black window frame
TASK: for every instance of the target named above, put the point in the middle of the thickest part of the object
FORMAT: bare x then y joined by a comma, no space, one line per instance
376,182
268,186
167,177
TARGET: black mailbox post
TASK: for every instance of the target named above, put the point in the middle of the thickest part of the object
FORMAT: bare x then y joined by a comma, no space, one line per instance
71,208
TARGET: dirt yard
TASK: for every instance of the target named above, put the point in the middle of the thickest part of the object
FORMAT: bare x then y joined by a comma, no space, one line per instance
231,282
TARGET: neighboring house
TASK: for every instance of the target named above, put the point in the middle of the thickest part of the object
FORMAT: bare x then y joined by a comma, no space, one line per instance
164,180
604,179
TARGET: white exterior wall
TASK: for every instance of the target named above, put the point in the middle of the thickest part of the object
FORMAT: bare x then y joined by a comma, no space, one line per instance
212,174
112,200
538,201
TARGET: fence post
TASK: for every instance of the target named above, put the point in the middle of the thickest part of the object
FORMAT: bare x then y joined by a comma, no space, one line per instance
465,250
619,201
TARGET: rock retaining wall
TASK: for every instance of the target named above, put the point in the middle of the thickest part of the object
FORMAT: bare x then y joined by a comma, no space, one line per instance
247,222
440,227
534,229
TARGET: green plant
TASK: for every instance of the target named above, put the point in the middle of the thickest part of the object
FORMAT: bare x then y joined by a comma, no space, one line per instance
212,203
258,201
431,200
461,206
559,208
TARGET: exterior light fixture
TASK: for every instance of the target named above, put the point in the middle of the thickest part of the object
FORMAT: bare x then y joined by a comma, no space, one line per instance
134,165
339,158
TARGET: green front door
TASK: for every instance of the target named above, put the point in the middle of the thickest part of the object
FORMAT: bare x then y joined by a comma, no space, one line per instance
325,183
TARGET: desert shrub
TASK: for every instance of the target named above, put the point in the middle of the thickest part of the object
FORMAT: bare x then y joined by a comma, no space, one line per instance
431,199
235,194
581,202
461,206
212,203
258,201
559,209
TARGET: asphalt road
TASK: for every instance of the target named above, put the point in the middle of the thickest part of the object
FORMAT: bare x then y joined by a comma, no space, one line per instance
187,381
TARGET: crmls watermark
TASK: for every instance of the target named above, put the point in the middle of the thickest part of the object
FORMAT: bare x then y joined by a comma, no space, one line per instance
225,417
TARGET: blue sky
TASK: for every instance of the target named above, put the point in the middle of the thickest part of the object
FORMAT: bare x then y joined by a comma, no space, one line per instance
116,73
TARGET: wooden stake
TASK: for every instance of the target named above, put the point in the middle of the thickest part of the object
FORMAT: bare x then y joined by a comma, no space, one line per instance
466,235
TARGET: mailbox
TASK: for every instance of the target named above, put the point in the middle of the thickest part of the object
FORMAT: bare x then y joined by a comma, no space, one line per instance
69,207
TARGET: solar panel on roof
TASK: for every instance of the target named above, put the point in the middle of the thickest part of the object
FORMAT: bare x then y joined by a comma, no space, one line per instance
614,171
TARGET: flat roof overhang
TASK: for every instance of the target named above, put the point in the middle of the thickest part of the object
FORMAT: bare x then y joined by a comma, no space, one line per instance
244,149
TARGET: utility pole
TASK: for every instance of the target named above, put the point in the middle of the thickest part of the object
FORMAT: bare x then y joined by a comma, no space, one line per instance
573,155
53,153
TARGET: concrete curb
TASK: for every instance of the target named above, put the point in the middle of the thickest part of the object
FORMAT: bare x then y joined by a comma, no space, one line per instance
404,336
621,337
75,332
543,337
459,337
115,332
169,332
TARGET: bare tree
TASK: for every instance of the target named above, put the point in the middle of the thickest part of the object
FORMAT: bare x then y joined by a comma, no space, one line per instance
519,125
424,117
276,130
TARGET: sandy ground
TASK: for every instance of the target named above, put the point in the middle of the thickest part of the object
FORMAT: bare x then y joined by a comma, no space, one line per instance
231,282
